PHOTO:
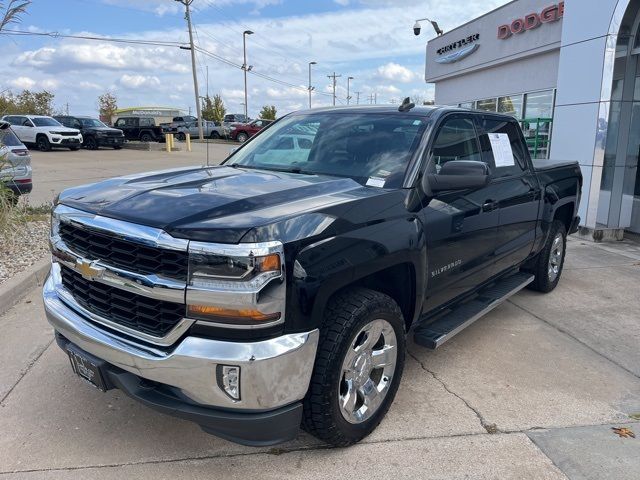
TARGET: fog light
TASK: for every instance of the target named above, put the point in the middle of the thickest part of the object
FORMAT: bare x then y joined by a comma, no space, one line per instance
229,380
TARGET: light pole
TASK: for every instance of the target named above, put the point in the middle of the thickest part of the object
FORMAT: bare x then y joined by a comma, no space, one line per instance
348,87
310,87
187,15
244,68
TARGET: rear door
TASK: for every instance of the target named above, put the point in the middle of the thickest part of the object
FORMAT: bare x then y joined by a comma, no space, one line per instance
516,191
460,231
28,132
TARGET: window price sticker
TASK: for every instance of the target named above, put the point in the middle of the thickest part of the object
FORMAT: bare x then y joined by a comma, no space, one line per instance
502,152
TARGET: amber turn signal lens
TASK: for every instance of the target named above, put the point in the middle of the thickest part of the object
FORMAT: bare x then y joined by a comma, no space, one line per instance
270,263
207,312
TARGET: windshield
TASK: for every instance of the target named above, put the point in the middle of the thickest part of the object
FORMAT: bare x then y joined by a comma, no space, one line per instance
91,122
8,138
373,149
45,122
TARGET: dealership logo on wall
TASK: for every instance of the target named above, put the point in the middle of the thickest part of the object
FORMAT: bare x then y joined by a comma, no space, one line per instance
532,21
456,51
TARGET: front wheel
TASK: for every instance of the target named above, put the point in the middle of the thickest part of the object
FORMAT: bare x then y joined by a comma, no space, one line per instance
74,149
242,137
214,135
43,143
550,261
358,367
90,143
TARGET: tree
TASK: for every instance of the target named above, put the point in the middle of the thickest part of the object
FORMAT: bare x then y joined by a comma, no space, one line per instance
27,102
268,112
213,110
107,105
11,13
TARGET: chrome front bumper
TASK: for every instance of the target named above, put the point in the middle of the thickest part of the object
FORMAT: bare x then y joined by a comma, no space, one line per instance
274,372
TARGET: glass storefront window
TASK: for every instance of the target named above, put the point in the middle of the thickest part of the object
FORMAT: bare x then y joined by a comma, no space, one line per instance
539,105
488,105
511,105
470,105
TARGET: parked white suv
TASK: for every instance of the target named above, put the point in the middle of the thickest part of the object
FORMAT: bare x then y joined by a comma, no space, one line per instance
44,132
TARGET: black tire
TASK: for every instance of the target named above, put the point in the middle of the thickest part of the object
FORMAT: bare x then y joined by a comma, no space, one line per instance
214,135
242,137
73,149
345,316
146,137
43,144
181,137
90,143
546,278
117,147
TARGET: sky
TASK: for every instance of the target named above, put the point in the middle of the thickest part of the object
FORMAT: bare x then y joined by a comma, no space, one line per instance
370,40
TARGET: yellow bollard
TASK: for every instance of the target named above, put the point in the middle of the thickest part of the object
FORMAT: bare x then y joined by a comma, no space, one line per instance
167,141
188,140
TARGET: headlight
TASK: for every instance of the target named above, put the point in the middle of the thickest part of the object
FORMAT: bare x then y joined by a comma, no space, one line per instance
239,286
55,220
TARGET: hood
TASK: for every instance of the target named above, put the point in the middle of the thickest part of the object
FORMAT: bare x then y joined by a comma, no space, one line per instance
54,128
104,129
217,204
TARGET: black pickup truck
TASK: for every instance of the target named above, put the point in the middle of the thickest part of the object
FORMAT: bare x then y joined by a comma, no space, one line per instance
143,129
277,289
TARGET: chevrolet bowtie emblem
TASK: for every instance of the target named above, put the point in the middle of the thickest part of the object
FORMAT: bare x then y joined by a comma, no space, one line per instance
88,269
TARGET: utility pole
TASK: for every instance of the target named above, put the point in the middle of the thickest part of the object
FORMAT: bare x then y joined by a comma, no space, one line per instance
375,98
371,99
207,81
358,98
334,77
67,108
348,88
310,87
187,15
245,68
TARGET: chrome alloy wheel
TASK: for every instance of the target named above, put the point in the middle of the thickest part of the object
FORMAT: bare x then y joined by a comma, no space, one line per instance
367,371
555,257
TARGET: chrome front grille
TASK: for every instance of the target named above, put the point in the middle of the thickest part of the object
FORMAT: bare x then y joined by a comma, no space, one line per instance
124,254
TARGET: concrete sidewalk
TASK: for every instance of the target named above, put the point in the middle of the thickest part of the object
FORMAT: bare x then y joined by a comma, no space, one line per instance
529,392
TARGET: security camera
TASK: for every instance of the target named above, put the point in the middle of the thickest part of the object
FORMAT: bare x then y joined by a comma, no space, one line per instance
416,29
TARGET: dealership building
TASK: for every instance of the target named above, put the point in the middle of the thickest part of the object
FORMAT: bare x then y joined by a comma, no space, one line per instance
570,72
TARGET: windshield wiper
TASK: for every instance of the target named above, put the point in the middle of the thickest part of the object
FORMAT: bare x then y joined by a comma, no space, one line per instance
296,170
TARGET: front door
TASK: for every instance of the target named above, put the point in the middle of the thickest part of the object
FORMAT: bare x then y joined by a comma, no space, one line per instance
460,226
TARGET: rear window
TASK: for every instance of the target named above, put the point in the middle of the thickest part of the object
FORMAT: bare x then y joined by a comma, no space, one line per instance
8,138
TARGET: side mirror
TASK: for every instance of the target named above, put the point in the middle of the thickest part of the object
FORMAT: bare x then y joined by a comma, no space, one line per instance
459,175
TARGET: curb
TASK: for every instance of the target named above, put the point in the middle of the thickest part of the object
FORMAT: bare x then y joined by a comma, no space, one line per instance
12,291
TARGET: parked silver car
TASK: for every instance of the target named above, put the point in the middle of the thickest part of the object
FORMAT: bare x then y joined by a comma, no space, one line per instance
211,130
15,162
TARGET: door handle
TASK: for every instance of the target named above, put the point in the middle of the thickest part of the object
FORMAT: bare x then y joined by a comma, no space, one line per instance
489,206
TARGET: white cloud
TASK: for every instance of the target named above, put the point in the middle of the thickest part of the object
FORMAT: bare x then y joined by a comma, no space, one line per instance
396,73
25,83
89,85
139,81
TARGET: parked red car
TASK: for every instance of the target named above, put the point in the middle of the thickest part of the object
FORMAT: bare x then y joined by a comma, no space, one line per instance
243,131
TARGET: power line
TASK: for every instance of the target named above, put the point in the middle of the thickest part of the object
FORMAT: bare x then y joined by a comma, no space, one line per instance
161,43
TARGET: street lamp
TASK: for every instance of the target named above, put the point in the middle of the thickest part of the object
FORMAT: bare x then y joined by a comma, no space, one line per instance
310,87
417,27
348,87
244,68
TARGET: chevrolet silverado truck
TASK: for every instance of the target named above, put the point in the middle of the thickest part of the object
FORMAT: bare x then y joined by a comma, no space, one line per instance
277,290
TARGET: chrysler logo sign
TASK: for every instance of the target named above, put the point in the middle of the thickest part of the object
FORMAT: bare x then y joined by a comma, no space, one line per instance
458,50
533,20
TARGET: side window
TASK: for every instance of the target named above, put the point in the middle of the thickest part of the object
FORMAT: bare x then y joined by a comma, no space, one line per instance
120,122
131,122
26,122
305,143
146,122
503,147
456,140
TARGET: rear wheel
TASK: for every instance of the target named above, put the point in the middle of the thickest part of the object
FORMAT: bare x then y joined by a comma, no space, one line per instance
358,367
43,144
146,137
214,135
550,261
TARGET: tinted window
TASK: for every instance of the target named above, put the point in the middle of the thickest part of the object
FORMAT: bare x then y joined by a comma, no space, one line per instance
147,122
503,164
455,140
91,122
8,138
120,122
356,145
45,122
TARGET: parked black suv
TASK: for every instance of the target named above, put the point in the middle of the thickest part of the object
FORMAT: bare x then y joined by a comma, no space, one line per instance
95,134
143,129
278,288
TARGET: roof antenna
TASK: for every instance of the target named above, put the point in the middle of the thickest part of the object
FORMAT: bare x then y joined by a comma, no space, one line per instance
406,105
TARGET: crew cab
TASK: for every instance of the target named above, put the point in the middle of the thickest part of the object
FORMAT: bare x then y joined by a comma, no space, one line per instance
44,132
241,132
278,289
143,129
95,134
